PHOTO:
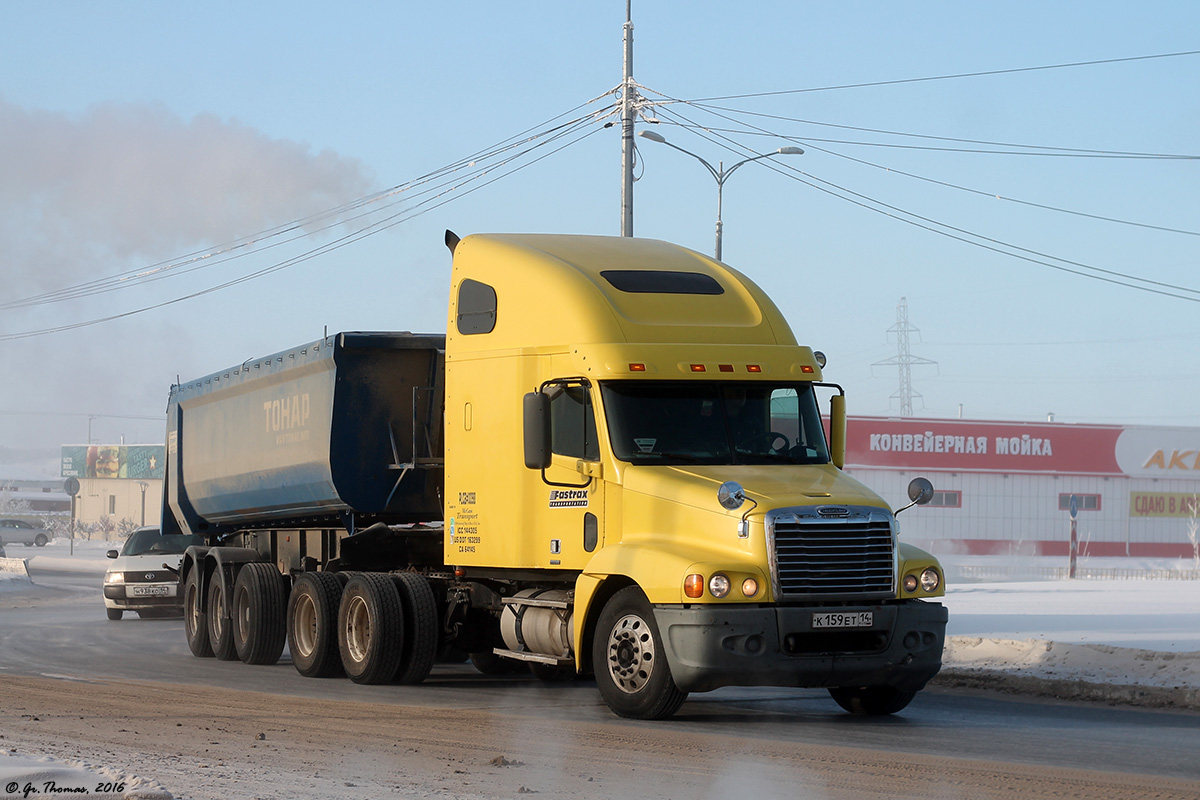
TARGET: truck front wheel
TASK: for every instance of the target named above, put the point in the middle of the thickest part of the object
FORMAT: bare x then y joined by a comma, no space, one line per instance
627,657
874,701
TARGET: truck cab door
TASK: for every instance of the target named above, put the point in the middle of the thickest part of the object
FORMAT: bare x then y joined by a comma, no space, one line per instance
570,517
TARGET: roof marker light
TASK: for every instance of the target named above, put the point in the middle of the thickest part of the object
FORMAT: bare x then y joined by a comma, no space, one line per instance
753,368
725,367
637,367
806,369
698,368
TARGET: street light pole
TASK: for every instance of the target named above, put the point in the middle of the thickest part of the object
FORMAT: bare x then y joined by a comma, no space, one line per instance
719,173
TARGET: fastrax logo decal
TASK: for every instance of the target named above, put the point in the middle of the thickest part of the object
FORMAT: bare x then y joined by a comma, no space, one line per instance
568,498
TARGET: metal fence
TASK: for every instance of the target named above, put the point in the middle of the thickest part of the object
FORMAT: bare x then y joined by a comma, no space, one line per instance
1015,572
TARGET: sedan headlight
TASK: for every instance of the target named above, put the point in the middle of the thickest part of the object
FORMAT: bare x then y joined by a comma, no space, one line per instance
113,577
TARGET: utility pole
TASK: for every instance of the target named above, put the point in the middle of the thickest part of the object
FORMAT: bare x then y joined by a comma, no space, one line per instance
628,97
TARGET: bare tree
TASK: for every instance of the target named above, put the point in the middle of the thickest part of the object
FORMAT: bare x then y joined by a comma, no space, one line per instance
1193,526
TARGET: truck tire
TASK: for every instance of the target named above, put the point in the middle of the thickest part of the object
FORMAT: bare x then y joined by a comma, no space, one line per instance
420,628
370,628
627,656
873,701
195,621
220,630
312,615
259,624
115,613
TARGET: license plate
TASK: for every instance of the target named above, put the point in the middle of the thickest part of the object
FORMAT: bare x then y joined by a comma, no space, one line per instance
150,591
842,619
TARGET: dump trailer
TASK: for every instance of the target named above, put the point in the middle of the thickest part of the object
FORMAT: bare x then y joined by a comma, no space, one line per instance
615,463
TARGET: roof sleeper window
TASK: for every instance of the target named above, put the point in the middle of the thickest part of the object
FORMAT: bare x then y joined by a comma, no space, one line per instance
661,281
476,307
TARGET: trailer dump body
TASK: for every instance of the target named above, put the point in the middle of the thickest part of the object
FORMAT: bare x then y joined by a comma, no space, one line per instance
347,427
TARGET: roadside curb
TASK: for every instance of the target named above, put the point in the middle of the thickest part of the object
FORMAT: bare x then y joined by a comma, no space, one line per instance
1184,698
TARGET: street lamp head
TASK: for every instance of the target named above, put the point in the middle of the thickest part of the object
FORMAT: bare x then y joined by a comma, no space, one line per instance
790,151
652,136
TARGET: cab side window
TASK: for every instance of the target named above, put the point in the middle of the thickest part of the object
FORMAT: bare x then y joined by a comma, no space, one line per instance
573,423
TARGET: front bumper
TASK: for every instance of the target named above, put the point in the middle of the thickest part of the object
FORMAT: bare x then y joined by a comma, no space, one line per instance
709,646
142,595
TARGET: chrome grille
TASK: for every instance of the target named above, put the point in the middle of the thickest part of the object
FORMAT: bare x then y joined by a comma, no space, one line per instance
845,552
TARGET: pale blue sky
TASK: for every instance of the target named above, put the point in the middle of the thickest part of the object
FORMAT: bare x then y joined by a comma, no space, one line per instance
330,102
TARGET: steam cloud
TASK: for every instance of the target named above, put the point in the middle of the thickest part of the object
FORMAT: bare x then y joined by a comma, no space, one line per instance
128,182
119,187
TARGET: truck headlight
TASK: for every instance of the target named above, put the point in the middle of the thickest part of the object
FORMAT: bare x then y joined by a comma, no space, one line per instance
930,579
749,587
910,583
718,585
113,577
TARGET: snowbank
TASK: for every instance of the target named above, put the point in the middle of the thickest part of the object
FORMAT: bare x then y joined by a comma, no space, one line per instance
32,776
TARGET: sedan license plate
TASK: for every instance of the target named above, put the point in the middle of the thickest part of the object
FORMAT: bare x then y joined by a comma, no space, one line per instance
150,591
843,619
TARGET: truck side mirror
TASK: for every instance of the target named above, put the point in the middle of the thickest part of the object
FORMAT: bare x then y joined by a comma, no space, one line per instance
837,430
537,430
920,491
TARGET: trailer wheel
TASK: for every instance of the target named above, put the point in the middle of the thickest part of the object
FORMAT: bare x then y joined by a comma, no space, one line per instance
312,615
874,701
420,627
627,656
259,624
220,631
195,623
370,628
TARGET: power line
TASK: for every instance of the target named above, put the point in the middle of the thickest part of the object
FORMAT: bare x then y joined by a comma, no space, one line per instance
576,130
328,219
944,229
897,82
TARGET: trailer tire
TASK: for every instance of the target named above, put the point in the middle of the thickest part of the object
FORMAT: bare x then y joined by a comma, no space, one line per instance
627,656
195,621
370,628
220,628
420,628
312,615
872,701
259,624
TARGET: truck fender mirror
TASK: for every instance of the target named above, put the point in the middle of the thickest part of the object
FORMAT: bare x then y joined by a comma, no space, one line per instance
537,430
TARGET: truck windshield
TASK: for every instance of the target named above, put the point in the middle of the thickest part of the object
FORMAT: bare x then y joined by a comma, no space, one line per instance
693,422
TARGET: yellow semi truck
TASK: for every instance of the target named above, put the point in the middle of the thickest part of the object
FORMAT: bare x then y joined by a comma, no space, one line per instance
613,464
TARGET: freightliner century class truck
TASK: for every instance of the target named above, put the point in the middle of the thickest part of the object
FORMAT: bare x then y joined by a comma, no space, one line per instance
613,464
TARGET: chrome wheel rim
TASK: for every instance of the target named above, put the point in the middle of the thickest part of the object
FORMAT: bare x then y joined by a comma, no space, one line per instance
631,653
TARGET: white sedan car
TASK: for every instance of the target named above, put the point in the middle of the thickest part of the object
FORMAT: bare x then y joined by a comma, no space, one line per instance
144,576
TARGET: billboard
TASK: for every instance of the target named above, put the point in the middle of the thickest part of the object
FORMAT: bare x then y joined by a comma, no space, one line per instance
134,461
